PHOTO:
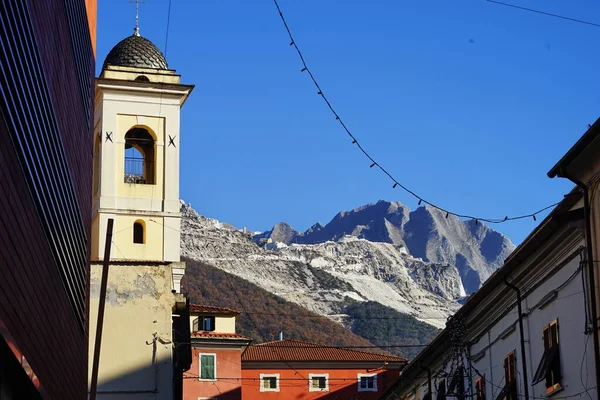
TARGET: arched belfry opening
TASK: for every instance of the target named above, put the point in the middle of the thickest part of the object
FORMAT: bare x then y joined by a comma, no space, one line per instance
139,157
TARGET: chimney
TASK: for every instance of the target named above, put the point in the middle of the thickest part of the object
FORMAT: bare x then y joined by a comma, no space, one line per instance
281,335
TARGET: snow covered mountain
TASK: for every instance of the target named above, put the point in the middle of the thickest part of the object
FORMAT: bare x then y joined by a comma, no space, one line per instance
367,254
426,233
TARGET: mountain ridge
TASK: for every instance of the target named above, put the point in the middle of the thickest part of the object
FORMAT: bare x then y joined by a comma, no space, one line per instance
326,277
427,233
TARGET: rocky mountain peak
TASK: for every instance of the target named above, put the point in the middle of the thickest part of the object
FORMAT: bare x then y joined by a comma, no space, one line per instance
427,233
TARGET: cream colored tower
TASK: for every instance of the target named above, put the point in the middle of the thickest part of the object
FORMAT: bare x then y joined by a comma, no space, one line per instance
136,154
136,182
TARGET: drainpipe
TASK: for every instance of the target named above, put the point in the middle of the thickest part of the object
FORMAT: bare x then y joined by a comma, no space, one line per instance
523,355
590,259
428,380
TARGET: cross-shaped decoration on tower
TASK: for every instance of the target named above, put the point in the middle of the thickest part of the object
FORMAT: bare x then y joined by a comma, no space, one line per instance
172,141
108,136
136,31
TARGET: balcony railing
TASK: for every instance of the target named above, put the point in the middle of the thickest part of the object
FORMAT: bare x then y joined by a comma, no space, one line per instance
139,171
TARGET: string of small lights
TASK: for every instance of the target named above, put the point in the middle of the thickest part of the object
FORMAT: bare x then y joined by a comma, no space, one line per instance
373,162
544,13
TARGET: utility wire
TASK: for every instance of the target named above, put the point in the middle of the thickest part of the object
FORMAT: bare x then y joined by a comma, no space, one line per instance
256,326
543,13
372,160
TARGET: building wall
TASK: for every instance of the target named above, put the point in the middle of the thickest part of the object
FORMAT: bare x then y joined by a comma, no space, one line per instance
117,111
492,341
136,359
47,70
227,386
343,383
223,324
567,308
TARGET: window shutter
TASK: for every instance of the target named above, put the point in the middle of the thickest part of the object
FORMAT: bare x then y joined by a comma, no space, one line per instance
208,367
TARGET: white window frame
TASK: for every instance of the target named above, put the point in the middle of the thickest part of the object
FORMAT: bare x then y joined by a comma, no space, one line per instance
373,389
264,389
310,386
200,366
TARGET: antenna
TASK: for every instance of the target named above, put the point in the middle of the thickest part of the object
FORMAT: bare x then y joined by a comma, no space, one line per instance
136,30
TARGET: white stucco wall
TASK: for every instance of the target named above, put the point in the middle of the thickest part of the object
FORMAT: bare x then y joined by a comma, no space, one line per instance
496,340
567,308
138,309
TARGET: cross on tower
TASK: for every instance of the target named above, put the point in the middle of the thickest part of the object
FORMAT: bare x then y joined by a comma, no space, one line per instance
136,31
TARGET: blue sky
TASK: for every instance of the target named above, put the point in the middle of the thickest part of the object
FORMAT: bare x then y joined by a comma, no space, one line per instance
466,102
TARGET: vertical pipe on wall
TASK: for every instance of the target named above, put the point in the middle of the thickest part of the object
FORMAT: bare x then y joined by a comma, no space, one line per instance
429,388
523,355
102,300
590,261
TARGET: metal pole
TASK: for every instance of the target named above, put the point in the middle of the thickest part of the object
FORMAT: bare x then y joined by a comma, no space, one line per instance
523,355
102,300
592,279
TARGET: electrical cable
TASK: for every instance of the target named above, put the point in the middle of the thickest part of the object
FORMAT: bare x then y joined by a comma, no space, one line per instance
544,13
255,325
373,162
584,356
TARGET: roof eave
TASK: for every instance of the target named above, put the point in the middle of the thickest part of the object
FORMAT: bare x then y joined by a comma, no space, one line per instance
588,137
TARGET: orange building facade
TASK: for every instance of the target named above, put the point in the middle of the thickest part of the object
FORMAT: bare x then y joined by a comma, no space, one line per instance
216,370
292,369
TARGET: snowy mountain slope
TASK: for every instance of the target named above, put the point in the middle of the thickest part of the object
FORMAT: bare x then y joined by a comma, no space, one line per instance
326,277
427,233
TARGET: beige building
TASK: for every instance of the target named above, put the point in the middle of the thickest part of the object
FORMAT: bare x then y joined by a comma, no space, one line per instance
531,331
581,165
136,183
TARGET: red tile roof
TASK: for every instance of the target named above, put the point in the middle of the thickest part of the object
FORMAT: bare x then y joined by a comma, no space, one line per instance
197,308
217,335
297,350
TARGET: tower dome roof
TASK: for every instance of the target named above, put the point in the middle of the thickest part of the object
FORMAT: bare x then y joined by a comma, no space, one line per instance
136,51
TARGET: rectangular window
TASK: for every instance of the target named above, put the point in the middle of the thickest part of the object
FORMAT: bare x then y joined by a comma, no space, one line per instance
480,387
203,323
269,382
509,391
208,323
208,367
318,382
367,382
548,369
441,390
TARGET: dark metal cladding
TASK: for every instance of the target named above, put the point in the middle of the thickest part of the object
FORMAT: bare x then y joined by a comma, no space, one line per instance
136,51
46,116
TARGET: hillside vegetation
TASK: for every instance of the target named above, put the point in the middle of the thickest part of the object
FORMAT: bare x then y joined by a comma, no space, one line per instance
391,328
371,323
271,314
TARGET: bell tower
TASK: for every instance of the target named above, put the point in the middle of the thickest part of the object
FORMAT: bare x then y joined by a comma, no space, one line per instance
136,154
136,183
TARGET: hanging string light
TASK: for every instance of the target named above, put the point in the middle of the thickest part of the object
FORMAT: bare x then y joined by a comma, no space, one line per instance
374,163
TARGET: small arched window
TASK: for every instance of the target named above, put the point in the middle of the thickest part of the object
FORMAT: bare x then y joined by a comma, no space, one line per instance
138,232
142,78
139,156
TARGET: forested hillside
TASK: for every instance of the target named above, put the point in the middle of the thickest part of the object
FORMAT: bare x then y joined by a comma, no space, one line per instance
268,314
389,329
